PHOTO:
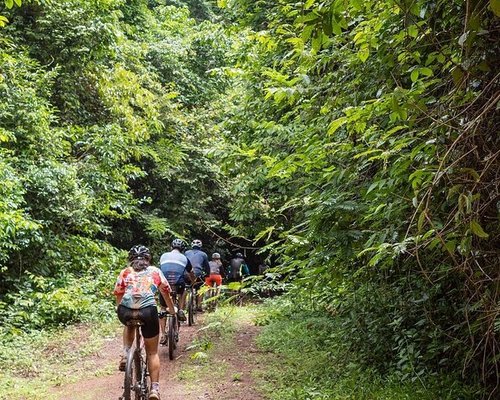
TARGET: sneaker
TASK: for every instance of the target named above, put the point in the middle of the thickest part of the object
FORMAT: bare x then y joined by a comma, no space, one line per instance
122,364
154,395
181,315
164,339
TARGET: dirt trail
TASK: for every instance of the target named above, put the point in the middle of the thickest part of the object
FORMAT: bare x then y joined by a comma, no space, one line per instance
182,378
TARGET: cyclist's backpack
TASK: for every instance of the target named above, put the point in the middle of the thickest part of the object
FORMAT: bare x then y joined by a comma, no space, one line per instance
235,272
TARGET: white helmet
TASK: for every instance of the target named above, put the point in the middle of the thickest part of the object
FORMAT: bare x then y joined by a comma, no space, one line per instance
196,243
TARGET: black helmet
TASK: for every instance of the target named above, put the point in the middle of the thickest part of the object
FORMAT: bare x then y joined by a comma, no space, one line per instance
239,255
139,252
178,244
196,243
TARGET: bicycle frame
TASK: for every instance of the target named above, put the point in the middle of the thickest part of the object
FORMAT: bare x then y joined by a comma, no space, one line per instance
137,387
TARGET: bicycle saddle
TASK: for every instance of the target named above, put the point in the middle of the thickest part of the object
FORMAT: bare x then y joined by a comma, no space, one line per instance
134,322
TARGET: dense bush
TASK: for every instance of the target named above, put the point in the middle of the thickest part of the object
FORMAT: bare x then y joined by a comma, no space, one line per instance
358,140
104,113
315,357
363,143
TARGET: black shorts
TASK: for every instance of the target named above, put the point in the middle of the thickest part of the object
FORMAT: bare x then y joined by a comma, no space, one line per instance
148,315
179,289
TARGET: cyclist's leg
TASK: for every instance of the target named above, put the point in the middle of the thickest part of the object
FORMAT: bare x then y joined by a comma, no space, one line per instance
181,293
197,285
182,300
151,345
180,289
218,282
209,282
150,333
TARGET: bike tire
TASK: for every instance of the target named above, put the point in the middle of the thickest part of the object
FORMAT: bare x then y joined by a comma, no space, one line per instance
171,337
138,374
144,378
211,298
191,309
177,330
130,377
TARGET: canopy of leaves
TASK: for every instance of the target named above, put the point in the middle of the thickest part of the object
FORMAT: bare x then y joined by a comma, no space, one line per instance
357,140
363,142
105,121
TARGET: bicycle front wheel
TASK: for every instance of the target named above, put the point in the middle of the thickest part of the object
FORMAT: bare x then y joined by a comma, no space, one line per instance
191,308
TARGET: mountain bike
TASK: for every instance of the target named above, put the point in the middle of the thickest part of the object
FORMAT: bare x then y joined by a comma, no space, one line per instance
136,381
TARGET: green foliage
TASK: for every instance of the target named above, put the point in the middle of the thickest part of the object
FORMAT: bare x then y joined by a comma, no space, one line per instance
81,292
356,140
104,113
357,144
302,345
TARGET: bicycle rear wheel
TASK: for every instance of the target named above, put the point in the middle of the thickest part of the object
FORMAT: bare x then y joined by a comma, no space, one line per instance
172,321
191,308
132,376
138,365
144,378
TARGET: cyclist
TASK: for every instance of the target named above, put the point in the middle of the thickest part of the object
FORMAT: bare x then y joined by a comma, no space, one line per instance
238,268
175,266
135,298
201,268
216,272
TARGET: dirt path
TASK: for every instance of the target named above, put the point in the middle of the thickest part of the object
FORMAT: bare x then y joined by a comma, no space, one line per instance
225,373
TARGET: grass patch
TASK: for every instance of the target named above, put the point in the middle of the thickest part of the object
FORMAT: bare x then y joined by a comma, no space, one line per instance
305,360
31,363
217,332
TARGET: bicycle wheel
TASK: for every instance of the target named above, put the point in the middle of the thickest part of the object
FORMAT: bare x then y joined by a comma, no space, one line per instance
144,379
171,337
191,308
130,380
138,374
177,330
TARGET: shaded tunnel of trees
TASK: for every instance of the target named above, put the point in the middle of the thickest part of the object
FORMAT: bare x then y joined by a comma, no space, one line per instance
353,144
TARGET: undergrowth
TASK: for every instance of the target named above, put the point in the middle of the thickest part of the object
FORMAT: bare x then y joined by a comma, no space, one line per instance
312,360
31,363
217,331
215,336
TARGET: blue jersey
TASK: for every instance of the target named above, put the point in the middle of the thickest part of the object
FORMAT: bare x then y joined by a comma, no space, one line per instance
174,265
199,261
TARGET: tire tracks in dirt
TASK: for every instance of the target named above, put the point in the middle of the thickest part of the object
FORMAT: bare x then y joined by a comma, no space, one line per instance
183,378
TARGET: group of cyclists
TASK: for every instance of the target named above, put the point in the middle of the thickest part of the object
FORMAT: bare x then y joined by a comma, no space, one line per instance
139,284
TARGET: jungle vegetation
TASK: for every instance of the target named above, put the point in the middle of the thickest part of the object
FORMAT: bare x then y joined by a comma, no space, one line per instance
354,143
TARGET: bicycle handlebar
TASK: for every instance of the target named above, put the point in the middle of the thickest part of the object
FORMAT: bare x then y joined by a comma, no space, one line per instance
163,314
